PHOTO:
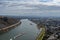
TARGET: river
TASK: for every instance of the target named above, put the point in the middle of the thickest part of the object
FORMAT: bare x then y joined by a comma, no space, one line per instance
29,30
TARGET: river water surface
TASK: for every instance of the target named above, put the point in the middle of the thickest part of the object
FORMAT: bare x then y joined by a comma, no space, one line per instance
28,28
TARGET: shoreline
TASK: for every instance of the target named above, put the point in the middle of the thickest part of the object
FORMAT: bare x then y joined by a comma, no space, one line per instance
8,27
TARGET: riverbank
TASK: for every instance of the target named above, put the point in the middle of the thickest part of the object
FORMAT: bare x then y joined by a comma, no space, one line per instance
10,26
6,23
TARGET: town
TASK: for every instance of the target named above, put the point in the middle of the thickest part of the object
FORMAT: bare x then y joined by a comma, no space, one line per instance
52,26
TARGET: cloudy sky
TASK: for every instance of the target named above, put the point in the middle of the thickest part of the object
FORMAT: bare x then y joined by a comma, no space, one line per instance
30,7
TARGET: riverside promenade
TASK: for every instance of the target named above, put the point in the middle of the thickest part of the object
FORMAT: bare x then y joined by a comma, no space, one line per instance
13,25
6,23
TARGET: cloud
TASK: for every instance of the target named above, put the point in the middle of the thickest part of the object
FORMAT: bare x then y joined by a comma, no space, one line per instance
27,5
46,0
29,8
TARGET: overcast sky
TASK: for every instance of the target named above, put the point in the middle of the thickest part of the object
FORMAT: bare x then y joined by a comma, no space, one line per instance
30,7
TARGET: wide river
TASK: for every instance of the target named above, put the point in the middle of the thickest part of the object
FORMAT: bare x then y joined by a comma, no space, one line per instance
27,30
